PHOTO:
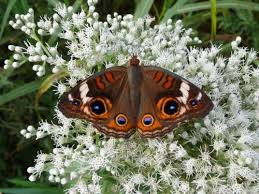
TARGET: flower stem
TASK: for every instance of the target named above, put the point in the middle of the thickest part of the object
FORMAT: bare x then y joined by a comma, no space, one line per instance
213,19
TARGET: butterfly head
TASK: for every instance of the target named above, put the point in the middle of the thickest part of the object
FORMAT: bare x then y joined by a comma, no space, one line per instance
134,61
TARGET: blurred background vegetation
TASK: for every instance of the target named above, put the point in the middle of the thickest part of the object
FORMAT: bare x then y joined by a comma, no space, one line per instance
212,21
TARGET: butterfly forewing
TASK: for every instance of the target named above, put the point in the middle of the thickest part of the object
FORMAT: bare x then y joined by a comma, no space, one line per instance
100,99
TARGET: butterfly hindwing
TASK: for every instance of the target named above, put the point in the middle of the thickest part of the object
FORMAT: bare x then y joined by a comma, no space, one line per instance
121,122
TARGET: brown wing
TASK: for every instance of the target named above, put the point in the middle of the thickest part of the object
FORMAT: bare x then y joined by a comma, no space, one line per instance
102,99
168,99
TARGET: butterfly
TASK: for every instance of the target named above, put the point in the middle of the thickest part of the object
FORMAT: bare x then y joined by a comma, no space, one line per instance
120,100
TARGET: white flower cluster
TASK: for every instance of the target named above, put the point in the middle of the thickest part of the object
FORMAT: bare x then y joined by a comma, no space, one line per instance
217,154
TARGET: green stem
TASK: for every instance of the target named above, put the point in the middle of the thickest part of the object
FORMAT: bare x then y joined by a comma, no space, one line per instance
97,139
35,37
213,19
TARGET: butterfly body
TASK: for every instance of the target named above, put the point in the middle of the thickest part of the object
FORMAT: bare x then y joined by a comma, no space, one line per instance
120,100
134,79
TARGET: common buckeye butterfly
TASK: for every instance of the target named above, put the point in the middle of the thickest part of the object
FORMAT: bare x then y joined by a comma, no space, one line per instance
120,100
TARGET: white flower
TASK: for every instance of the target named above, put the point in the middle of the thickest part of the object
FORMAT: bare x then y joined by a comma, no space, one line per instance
60,88
219,145
189,166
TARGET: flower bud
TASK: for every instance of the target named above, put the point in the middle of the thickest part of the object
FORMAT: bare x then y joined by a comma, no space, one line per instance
32,178
28,135
31,11
11,23
56,17
57,179
7,66
30,128
23,131
17,57
70,9
63,181
11,47
15,64
51,178
41,32
8,62
30,170
91,9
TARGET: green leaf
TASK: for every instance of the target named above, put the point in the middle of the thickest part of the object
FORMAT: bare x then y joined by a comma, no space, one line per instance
226,48
54,3
26,183
25,5
179,4
108,181
20,91
31,190
4,75
143,8
14,35
226,4
196,19
77,4
6,16
46,84
166,5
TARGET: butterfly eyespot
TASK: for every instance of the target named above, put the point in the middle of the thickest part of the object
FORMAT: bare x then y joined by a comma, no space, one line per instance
170,107
98,107
194,102
148,120
76,102
121,120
